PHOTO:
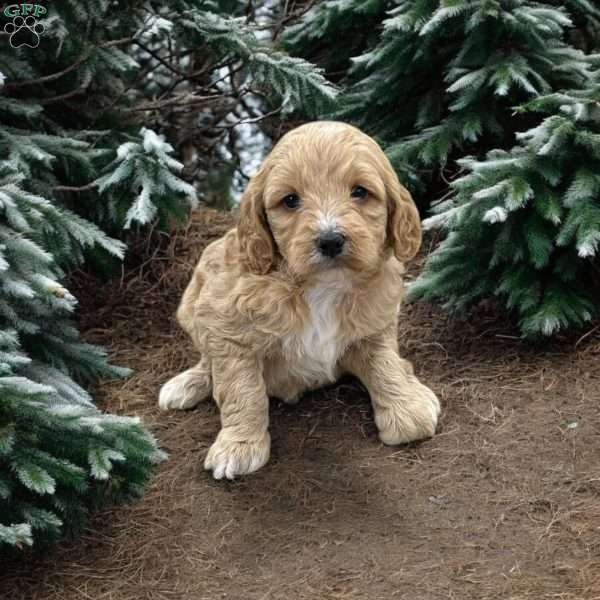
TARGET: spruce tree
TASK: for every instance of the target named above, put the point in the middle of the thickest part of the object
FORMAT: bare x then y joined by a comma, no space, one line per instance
59,455
524,225
443,77
92,145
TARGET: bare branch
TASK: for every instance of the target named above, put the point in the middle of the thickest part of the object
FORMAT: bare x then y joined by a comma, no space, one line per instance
69,188
52,99
162,61
178,100
252,120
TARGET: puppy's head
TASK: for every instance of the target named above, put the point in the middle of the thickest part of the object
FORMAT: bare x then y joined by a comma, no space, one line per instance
326,197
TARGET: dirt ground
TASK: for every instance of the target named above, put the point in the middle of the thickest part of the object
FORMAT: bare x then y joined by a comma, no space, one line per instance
503,503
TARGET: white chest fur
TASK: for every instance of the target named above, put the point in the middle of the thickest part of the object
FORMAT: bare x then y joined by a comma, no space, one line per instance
313,353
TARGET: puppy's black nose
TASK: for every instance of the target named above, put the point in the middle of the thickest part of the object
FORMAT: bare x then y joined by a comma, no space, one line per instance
331,243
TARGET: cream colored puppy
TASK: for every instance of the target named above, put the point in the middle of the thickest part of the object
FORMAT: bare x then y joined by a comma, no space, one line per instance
306,288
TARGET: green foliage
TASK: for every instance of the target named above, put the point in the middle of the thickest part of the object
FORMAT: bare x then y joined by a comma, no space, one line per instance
52,438
144,170
524,225
442,78
296,82
334,31
98,128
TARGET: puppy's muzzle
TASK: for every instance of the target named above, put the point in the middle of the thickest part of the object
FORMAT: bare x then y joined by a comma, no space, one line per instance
330,243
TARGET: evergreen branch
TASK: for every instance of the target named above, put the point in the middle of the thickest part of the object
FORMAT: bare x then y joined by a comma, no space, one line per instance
54,76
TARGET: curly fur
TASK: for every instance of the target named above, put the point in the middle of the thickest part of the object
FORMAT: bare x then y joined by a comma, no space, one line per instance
271,316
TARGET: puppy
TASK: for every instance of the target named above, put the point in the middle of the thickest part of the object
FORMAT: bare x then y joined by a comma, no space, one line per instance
307,287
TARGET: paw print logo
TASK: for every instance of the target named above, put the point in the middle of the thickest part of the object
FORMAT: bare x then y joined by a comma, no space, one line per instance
24,32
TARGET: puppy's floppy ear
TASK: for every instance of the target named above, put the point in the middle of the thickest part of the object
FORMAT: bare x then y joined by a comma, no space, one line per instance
404,223
256,241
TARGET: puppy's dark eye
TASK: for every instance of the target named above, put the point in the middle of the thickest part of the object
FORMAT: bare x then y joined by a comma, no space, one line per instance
358,191
291,200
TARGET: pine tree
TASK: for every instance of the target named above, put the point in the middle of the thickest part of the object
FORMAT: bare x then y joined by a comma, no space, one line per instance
59,455
443,77
524,225
90,148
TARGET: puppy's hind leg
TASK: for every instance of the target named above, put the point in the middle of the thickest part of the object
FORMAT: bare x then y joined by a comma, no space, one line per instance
188,388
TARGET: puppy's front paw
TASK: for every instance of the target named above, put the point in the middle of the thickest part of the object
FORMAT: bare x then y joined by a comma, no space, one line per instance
412,417
229,456
184,390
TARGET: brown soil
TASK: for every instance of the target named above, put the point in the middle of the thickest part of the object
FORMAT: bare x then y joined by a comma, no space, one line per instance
503,503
